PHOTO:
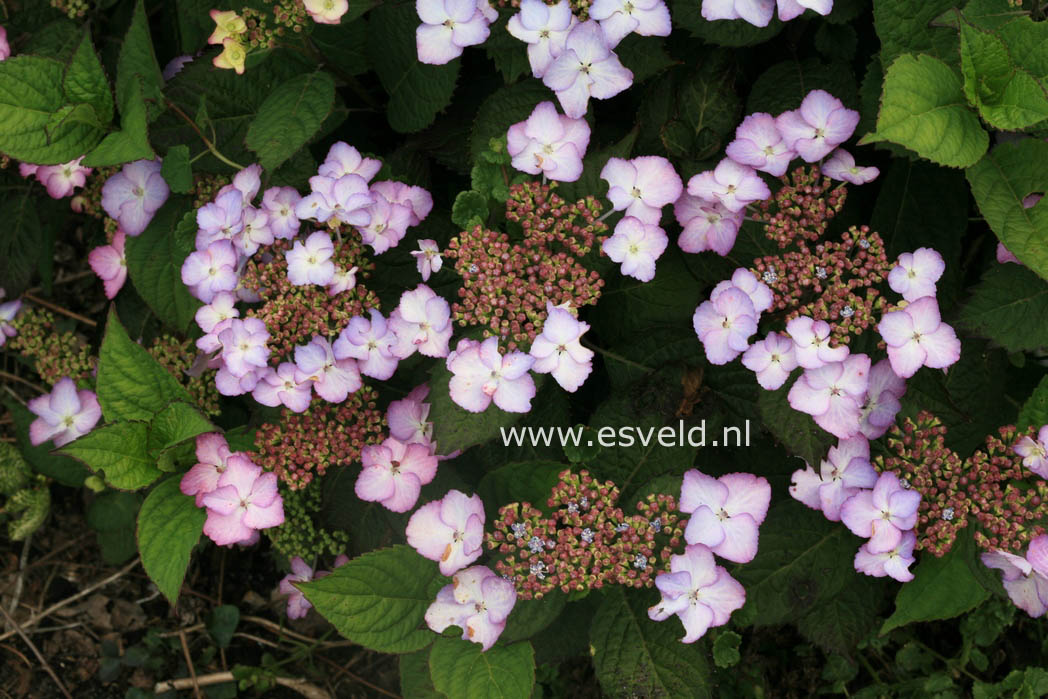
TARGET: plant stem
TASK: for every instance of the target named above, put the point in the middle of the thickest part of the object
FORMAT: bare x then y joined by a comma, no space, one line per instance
207,142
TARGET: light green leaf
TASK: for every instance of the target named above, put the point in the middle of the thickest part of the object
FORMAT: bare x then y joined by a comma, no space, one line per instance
154,263
137,64
169,526
85,81
417,92
470,209
27,510
1034,412
1009,306
459,669
379,599
1000,182
177,170
1008,96
131,384
923,108
30,95
290,117
635,656
131,142
455,427
120,450
175,424
942,588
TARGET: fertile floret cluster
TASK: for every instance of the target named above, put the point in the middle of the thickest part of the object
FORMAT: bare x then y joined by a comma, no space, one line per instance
301,446
302,534
177,357
55,353
506,286
587,541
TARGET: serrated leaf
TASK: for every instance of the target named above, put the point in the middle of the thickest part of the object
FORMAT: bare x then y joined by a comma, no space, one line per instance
379,599
840,622
803,561
923,108
1000,182
417,92
28,509
644,56
290,117
414,676
1008,96
525,481
176,423
503,108
470,209
30,95
459,669
131,142
531,616
120,450
456,428
726,649
785,85
20,244
904,26
793,429
1034,412
635,656
154,263
509,55
1009,306
942,588
137,64
86,82
131,384
177,170
169,526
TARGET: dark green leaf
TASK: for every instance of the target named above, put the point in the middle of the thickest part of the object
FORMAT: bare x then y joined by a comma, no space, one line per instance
169,526
290,117
1009,306
459,669
154,263
176,170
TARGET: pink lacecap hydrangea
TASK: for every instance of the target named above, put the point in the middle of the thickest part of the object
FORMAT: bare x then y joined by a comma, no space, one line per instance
448,26
587,67
707,225
841,166
883,513
724,325
759,145
64,414
481,375
8,311
212,450
427,258
636,245
1026,586
558,350
449,531
422,322
915,274
833,394
731,184
110,264
894,563
285,386
245,501
333,378
772,359
725,513
61,180
548,143
760,12
620,18
477,601
394,473
883,394
642,186
1034,452
844,472
820,125
133,195
699,592
544,28
371,342
811,339
916,337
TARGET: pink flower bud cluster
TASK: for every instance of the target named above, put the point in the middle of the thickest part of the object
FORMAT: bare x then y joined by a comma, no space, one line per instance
302,446
990,490
507,286
587,542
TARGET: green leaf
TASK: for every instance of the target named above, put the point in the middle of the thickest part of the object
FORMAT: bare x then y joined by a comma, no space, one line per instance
525,481
1009,306
635,656
290,117
414,676
456,428
379,599
131,142
785,85
113,515
508,54
344,45
20,248
459,669
169,526
176,423
30,96
904,26
726,649
470,209
63,469
137,65
795,430
417,92
27,509
803,561
223,624
1008,97
120,450
1034,412
14,471
942,588
154,263
645,56
531,616
1000,182
131,384
840,622
177,170
85,81
923,108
